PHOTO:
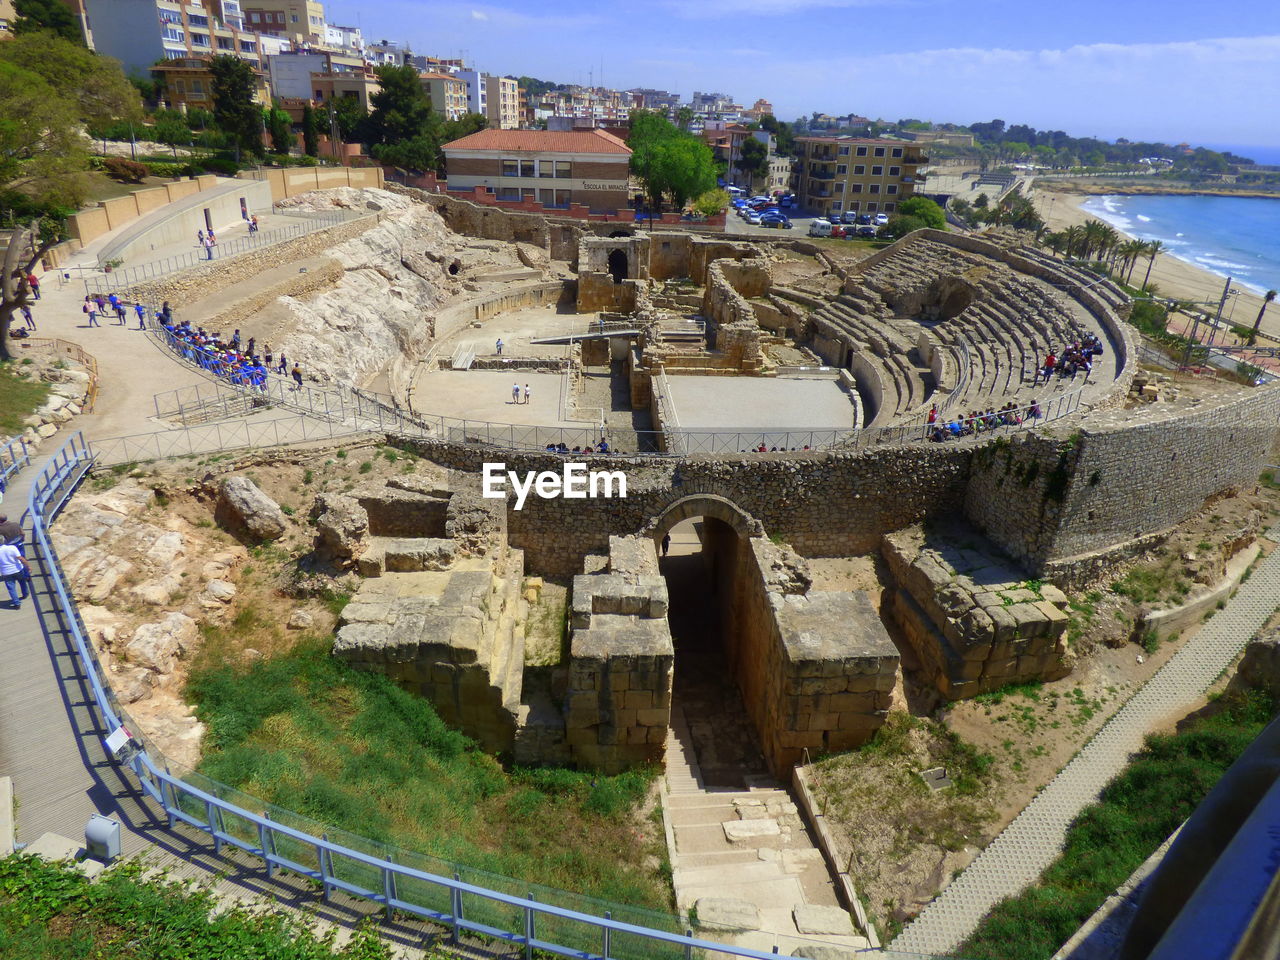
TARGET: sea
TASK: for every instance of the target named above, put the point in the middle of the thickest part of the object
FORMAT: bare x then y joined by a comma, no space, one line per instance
1236,237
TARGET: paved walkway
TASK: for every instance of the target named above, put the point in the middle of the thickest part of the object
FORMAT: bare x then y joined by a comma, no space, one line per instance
1017,857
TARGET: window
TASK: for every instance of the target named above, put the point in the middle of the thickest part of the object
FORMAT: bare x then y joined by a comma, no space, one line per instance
871,207
511,168
170,16
894,171
859,170
293,18
841,169
835,204
879,151
564,169
844,151
195,20
893,188
862,152
875,188
897,152
526,168
877,171
889,207
546,168
224,43
562,198
199,39
174,34
546,197
248,46
855,188
197,88
838,187
854,205
509,193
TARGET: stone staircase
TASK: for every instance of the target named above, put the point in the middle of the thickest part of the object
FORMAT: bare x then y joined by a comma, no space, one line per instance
744,861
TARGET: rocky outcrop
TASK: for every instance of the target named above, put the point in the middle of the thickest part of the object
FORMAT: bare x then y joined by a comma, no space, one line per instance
244,510
157,645
342,525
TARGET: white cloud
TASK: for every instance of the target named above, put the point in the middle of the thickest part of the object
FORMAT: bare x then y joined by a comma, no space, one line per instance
479,15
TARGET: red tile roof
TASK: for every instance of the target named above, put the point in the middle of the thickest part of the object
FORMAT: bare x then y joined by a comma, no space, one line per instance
542,141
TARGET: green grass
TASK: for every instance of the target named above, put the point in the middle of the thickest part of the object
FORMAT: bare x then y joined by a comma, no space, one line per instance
354,751
1137,812
18,398
1162,581
52,912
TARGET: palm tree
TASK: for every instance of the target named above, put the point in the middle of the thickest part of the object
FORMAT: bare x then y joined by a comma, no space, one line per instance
1074,237
1253,337
1154,247
1131,251
1056,241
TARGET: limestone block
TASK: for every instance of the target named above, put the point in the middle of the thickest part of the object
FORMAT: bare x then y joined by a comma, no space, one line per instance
157,645
816,951
748,831
639,699
167,548
816,920
1006,627
300,620
220,590
725,913
654,717
1057,620
1052,594
361,641
1030,619
245,509
361,611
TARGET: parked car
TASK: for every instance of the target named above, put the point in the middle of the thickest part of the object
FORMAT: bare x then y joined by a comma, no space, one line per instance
882,219
820,228
864,218
753,218
867,230
781,223
849,217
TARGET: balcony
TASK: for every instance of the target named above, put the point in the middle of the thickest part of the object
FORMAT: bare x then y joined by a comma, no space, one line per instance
820,175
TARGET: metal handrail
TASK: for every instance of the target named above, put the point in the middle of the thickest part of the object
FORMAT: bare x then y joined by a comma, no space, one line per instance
14,456
49,493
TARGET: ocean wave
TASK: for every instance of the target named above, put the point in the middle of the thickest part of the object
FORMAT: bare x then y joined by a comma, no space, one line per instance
1209,260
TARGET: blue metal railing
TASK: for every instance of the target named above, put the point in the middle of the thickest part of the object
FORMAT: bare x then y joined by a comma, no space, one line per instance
335,866
14,455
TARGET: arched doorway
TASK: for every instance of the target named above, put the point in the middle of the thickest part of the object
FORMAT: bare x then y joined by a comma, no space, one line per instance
705,538
618,265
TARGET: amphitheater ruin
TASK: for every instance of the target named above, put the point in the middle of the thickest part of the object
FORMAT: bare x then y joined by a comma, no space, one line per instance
773,399
797,544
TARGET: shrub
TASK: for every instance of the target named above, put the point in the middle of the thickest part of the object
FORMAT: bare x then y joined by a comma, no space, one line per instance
126,171
219,165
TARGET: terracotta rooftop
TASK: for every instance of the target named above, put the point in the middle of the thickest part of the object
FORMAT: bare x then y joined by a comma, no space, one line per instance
542,141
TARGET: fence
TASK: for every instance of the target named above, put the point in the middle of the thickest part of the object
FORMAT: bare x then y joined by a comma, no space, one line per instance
14,455
128,276
76,353
219,436
394,879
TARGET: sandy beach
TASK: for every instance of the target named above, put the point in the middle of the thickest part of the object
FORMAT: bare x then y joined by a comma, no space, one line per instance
1173,277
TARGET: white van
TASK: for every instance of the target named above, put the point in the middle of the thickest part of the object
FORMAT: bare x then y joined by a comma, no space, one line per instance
820,228
733,191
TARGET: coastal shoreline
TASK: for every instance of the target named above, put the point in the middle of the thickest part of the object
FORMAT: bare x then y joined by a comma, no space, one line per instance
1172,276
1070,187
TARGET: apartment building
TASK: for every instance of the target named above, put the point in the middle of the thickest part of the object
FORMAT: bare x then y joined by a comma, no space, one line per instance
291,72
138,33
387,53
555,168
6,17
779,174
477,89
839,174
448,94
188,82
503,107
761,108
301,22
343,38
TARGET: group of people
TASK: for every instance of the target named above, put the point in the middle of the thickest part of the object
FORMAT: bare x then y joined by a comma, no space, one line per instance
207,241
240,364
601,447
100,306
515,393
977,421
1076,358
14,570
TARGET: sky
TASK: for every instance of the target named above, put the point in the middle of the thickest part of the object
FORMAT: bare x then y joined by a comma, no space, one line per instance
1207,73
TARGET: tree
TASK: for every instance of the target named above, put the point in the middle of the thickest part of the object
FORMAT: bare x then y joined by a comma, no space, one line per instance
279,126
401,108
712,202
901,225
1153,248
684,117
37,16
667,161
234,109
346,112
170,128
416,153
1257,324
310,132
102,94
753,159
925,210
42,153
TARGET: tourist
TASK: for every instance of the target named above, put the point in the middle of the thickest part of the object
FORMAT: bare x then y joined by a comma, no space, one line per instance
515,393
199,238
141,311
284,364
208,248
527,391
16,574
34,283
11,533
1033,411
91,310
253,224
602,446
166,313
666,543
499,345
296,373
27,318
933,414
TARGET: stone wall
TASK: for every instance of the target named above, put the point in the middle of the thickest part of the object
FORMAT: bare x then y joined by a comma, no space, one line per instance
1056,501
195,284
619,696
823,504
815,668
